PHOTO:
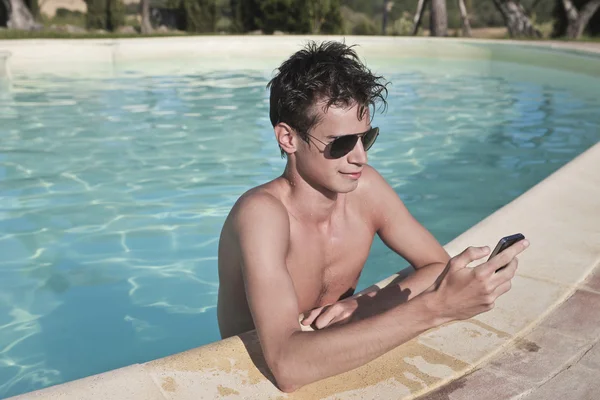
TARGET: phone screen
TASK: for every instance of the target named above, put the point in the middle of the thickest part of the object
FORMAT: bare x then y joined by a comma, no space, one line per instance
504,244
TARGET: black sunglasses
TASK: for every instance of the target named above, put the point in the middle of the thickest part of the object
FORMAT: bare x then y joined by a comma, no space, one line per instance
343,145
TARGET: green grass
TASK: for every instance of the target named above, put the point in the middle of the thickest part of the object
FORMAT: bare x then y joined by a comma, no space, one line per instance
68,18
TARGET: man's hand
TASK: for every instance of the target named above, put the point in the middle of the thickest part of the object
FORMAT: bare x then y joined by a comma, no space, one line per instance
463,292
336,313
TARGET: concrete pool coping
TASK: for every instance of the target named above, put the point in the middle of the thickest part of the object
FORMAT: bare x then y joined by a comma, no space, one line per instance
101,57
559,216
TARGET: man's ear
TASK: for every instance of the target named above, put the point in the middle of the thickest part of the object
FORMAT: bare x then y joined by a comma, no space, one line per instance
286,137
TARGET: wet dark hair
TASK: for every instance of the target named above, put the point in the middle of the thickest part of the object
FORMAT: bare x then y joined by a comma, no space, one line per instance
331,73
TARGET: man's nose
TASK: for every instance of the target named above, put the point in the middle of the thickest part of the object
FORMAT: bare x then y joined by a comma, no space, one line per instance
358,155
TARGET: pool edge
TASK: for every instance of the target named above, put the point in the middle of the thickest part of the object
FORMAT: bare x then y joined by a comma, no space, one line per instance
103,57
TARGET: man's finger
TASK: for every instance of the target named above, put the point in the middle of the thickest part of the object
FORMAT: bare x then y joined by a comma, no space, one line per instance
310,318
507,273
506,256
338,319
503,288
468,255
324,319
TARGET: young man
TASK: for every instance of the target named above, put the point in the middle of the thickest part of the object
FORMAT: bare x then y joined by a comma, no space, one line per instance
297,244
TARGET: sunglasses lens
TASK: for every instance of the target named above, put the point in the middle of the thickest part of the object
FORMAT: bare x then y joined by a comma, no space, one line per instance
369,138
343,145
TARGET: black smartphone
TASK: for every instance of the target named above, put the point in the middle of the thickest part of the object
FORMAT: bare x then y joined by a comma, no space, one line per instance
504,244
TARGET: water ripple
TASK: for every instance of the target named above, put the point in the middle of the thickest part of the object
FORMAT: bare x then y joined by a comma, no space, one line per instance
113,192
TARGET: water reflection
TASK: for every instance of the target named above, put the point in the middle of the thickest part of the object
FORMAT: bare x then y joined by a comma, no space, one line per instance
114,193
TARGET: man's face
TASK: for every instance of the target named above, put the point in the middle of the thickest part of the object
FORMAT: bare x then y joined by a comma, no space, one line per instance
314,161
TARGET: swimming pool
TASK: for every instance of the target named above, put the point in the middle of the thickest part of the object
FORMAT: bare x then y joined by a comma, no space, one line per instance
113,191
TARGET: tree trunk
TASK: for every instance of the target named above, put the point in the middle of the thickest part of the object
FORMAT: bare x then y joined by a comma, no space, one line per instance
316,15
6,14
517,22
146,27
465,18
387,7
19,16
586,13
577,21
419,16
439,18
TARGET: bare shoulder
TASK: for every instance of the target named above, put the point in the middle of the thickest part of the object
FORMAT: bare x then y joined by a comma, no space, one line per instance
257,210
372,184
378,196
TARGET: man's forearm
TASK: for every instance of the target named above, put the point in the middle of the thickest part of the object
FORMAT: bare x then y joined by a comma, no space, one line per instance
312,356
421,279
400,290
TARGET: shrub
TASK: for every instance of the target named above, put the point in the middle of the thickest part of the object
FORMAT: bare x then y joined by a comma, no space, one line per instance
95,17
364,26
199,15
115,18
291,16
403,26
333,23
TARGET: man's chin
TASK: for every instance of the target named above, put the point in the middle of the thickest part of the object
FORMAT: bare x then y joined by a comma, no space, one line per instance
347,187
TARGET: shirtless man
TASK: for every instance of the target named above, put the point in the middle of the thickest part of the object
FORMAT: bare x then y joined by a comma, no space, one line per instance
297,244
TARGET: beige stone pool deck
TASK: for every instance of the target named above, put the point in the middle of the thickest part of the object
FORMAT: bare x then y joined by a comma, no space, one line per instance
539,342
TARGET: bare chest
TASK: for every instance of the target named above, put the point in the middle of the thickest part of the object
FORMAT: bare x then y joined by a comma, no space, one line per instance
326,266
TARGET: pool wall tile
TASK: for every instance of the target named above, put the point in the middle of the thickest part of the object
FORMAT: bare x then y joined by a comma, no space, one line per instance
576,383
527,302
232,367
591,359
574,318
592,283
477,340
128,383
540,354
489,384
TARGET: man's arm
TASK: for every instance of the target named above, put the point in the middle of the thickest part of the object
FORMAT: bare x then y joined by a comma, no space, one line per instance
297,358
403,234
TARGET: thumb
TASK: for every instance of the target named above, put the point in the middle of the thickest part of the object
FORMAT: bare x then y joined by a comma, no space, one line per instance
468,255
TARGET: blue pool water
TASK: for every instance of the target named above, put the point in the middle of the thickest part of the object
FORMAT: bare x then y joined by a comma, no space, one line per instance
113,192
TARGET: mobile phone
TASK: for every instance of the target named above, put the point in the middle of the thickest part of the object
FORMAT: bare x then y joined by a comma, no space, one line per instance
504,244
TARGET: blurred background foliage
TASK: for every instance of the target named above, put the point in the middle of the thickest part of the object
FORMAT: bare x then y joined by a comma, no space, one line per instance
339,17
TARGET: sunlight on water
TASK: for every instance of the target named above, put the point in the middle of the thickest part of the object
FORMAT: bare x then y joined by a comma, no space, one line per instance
113,193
